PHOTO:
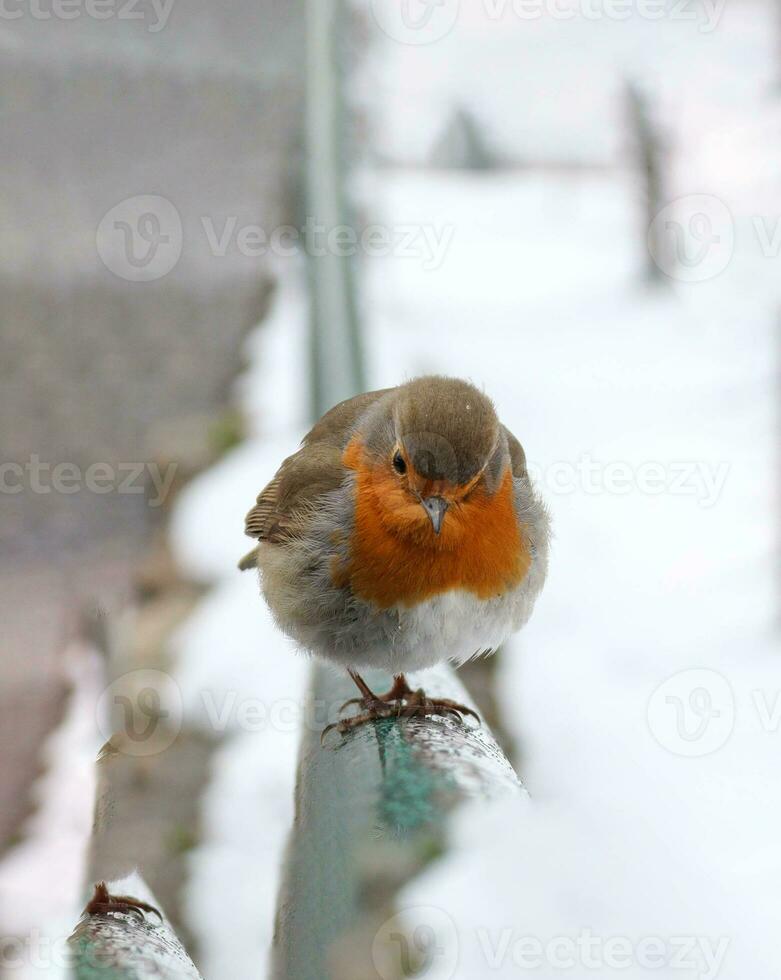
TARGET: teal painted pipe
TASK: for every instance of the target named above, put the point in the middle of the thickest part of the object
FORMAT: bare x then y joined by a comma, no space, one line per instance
371,812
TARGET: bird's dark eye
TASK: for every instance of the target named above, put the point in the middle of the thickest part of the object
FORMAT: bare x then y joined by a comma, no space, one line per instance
399,464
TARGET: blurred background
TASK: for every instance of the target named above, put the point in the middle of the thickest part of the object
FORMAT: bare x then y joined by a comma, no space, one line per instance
219,220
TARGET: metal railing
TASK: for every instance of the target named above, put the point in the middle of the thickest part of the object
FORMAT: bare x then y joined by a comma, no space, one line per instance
129,946
371,812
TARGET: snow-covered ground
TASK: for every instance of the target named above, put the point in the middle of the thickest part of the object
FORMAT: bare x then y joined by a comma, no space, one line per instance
645,691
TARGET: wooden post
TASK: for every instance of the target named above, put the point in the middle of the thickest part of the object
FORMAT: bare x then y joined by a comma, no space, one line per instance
371,810
648,152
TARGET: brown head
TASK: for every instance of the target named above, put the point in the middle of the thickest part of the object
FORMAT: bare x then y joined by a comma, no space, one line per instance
431,446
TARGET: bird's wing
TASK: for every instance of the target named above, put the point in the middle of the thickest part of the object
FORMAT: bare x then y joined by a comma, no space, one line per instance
299,482
305,476
517,455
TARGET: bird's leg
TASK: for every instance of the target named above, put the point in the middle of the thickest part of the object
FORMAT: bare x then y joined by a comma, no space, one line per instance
400,702
376,706
399,692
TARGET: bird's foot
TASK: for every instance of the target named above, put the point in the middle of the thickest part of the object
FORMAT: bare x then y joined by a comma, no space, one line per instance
398,694
400,702
102,903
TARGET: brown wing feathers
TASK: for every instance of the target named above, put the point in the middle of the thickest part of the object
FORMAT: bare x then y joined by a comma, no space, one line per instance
257,519
303,477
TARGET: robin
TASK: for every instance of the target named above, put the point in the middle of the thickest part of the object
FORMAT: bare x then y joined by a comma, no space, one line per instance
405,531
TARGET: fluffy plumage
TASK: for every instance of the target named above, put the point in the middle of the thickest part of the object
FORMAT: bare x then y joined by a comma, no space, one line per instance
349,562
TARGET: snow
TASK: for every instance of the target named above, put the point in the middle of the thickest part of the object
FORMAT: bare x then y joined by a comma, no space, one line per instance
234,875
41,879
240,678
274,399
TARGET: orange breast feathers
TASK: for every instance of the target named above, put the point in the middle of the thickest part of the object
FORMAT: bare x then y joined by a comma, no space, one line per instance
397,559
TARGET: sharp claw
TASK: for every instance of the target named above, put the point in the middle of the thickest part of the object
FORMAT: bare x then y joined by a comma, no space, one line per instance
326,730
123,908
446,709
415,704
348,724
462,710
348,703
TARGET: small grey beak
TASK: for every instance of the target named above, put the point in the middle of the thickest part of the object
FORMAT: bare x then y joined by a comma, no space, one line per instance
435,507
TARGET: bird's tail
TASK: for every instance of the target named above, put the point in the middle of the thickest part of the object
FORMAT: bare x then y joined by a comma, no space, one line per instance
250,560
